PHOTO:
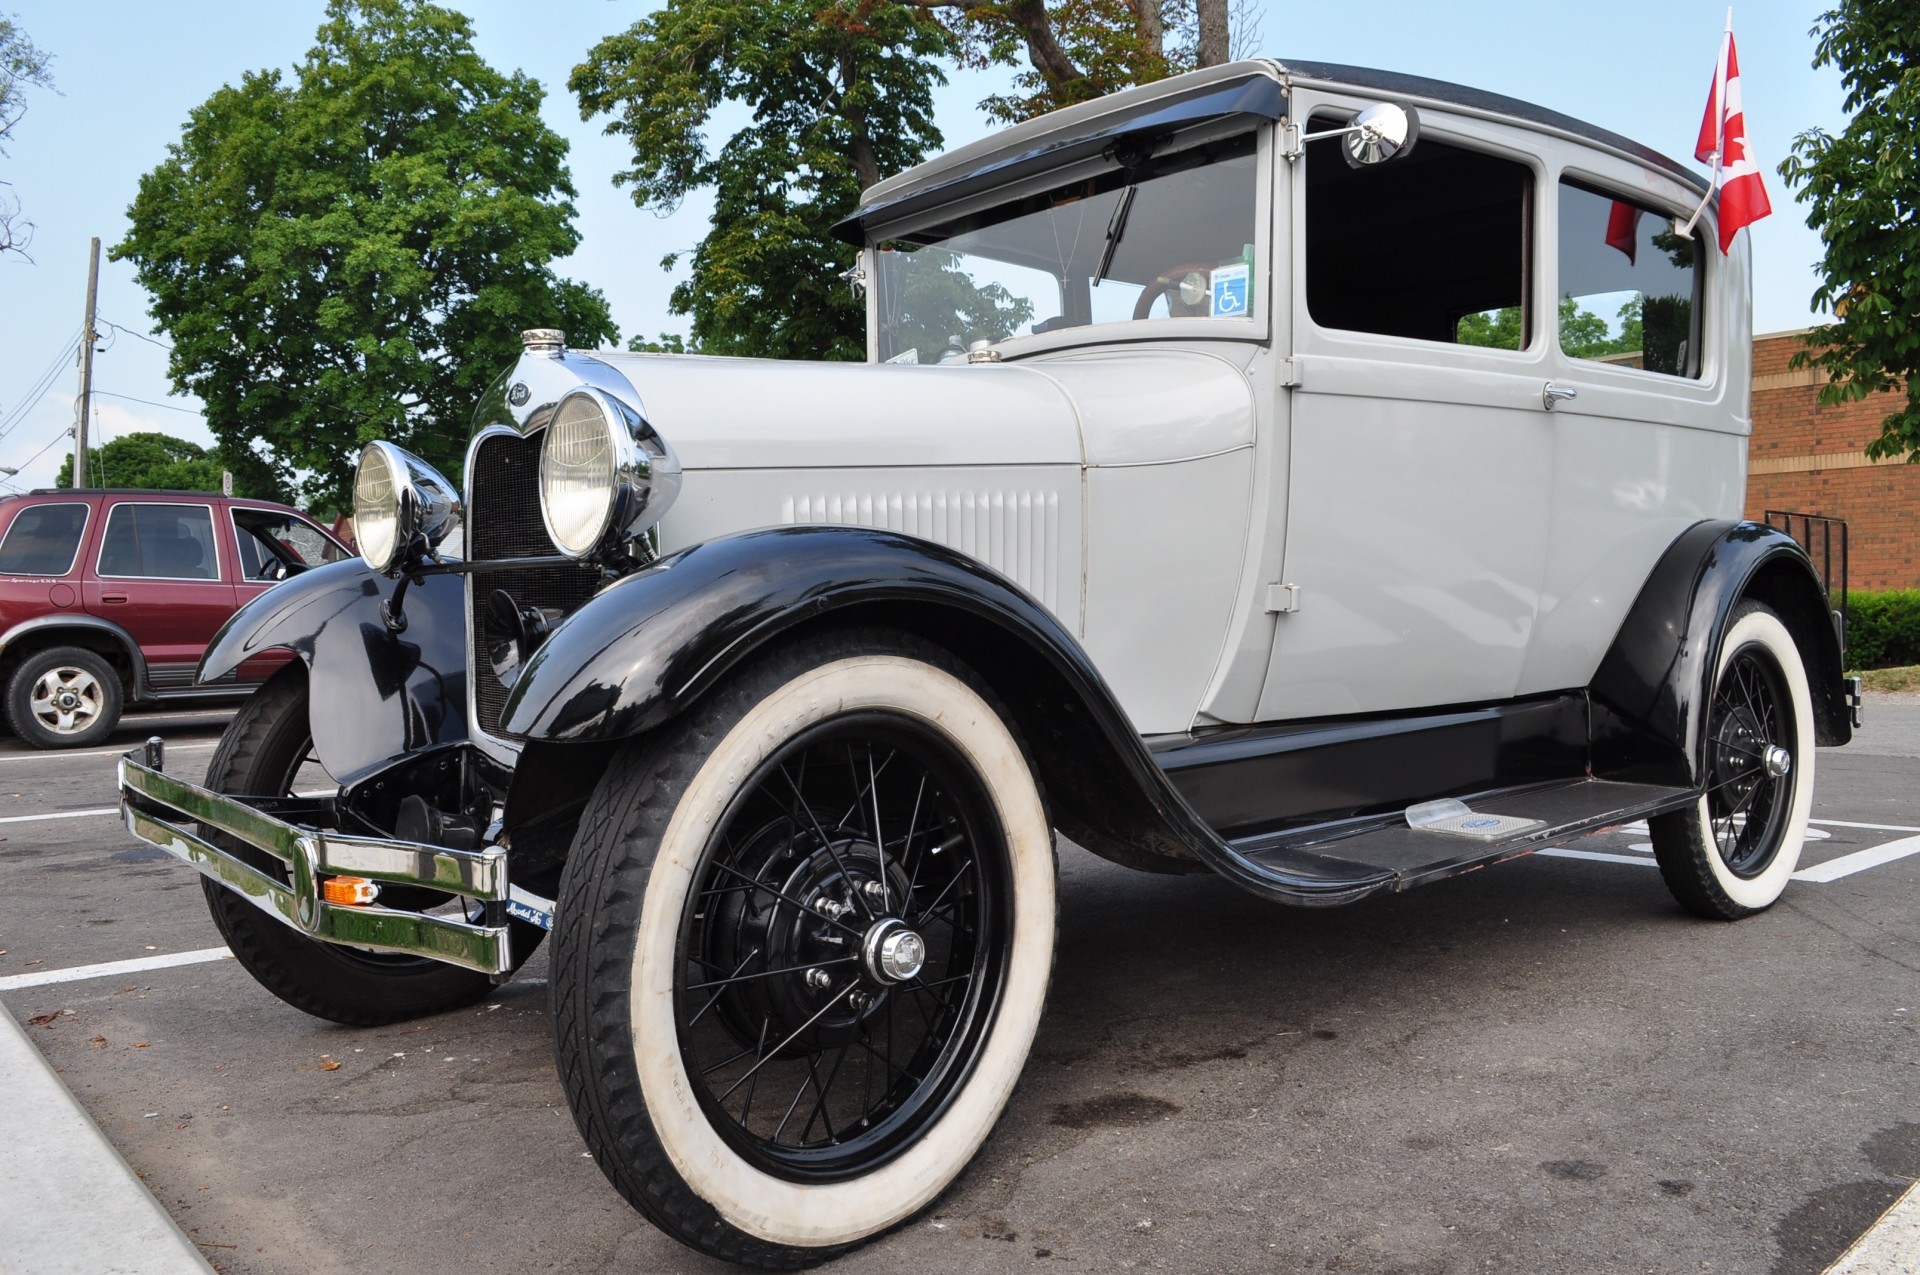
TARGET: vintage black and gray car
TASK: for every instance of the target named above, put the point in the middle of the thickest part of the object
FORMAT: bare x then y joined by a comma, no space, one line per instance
1224,492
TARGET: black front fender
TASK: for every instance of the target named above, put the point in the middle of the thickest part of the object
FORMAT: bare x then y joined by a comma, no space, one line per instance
377,695
649,645
1651,691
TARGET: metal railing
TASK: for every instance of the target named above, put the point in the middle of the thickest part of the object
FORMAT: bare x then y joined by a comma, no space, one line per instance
1825,540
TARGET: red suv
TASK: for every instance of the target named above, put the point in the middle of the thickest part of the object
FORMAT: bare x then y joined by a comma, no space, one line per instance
108,598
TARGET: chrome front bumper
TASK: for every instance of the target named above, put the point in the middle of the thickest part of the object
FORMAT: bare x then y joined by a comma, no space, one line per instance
173,814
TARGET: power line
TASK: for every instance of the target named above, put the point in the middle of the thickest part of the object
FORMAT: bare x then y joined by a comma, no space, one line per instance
191,411
41,385
136,335
57,438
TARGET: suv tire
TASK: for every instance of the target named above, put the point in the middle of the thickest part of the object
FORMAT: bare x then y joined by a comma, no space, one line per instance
64,697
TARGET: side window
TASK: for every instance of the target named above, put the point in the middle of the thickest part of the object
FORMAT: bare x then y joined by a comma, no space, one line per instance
170,542
43,540
1629,286
1433,246
273,546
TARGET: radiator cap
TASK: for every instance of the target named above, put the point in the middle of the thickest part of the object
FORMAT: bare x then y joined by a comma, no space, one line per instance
548,341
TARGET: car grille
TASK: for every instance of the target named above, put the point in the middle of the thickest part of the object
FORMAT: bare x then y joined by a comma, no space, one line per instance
503,521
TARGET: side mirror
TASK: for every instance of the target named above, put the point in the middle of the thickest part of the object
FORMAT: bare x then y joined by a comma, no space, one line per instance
1381,132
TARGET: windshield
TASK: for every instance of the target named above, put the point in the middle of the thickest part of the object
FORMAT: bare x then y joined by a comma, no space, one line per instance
1169,238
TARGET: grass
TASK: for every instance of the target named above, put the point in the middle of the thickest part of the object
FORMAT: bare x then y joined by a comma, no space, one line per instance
1905,678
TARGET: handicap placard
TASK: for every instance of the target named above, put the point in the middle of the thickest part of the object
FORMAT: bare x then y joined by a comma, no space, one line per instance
1230,291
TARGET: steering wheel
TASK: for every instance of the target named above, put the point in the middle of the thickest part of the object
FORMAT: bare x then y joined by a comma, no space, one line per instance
1166,282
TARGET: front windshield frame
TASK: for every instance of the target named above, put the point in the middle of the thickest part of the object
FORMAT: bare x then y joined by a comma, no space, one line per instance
1256,328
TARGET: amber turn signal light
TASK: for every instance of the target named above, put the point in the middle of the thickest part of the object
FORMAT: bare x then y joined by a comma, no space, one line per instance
351,892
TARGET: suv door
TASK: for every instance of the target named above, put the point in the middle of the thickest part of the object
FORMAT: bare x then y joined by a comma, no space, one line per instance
1421,450
158,575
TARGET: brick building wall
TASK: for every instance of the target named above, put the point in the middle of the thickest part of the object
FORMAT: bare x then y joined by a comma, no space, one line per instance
1808,458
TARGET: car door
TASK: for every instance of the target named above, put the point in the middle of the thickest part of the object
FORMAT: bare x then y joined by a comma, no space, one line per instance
1421,444
269,546
158,574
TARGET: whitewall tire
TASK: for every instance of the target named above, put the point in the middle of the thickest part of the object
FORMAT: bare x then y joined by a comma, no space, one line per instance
802,947
1732,853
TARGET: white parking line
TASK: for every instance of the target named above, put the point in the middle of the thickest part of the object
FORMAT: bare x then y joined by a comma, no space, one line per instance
1877,827
112,969
1859,861
1891,1246
54,754
63,814
1562,852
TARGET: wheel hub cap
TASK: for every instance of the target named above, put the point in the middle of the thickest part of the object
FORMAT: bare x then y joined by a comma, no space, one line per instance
891,952
1777,760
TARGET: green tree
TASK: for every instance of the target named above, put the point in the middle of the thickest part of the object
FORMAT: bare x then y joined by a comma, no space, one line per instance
154,461
22,66
841,95
349,256
1862,191
1077,50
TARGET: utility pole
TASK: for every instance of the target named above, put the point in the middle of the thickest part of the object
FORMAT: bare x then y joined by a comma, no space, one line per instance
87,335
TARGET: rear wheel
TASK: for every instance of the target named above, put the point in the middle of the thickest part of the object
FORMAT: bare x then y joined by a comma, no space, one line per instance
262,754
803,943
65,697
1731,854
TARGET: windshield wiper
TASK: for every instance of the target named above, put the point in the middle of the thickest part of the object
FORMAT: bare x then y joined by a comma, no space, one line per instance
1115,229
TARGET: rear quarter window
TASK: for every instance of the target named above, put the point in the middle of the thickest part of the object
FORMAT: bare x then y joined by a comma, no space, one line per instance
43,540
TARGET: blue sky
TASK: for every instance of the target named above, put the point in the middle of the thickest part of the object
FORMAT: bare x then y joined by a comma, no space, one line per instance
128,73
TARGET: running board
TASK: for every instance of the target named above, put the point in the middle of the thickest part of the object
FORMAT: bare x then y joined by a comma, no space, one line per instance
1343,861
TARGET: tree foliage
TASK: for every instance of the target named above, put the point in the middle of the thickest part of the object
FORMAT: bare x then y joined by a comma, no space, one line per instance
1077,50
22,66
154,461
840,95
350,255
1862,190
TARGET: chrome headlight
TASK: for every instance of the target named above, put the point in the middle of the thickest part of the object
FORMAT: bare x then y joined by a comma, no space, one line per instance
397,498
603,472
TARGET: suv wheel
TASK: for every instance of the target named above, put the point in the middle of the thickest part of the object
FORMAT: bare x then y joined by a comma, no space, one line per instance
65,697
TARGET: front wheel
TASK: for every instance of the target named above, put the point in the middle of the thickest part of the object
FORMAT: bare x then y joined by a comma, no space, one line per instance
1731,853
262,753
802,945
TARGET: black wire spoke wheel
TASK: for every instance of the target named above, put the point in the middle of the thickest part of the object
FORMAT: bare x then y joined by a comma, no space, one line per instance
802,947
843,947
1731,852
1750,771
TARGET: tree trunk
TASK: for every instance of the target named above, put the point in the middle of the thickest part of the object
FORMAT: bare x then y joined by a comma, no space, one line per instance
1043,50
1152,30
1215,41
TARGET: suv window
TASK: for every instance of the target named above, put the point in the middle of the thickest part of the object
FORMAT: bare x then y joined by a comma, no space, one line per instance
1628,284
1433,246
43,540
166,542
1171,237
275,545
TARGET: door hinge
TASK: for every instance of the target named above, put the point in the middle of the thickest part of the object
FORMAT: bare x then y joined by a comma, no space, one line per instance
1289,374
1283,599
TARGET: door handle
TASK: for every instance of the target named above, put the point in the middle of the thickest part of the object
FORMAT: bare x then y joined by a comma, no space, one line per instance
113,597
1552,395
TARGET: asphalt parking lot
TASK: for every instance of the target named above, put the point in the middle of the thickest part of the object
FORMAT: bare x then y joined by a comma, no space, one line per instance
1541,1067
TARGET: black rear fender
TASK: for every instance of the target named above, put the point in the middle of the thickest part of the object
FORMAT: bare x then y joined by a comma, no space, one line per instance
1651,691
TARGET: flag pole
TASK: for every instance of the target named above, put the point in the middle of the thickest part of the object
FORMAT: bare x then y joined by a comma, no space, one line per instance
1720,128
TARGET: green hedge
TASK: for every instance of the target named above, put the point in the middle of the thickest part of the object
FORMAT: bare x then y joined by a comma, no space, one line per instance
1883,629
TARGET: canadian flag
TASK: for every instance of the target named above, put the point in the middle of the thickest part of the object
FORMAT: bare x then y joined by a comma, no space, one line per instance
1723,143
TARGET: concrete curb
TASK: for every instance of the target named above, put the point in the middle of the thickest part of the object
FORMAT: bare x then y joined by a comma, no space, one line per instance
69,1204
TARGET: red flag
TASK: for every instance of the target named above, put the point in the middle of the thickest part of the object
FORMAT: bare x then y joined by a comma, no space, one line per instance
1723,135
1623,228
